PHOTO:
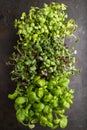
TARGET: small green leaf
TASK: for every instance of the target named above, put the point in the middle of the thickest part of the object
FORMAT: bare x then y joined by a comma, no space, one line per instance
49,124
39,107
48,97
56,121
13,96
23,15
20,114
33,97
46,109
63,6
66,105
43,121
41,82
50,117
40,93
64,82
20,100
63,122
31,126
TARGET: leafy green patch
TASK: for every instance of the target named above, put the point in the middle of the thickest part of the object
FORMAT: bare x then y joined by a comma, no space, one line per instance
42,66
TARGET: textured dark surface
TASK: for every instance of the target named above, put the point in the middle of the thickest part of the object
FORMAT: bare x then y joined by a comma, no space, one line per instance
11,9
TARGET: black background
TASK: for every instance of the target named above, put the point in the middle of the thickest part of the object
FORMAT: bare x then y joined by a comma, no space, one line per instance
11,9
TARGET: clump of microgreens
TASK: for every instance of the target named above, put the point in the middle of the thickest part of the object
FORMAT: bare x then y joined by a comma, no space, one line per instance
42,66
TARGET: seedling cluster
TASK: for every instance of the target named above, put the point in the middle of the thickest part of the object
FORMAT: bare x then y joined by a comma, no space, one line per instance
42,66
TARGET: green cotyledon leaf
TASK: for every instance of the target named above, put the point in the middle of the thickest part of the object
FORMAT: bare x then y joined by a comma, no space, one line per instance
63,122
20,100
13,96
40,92
39,106
66,104
48,97
20,115
64,82
41,82
33,97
